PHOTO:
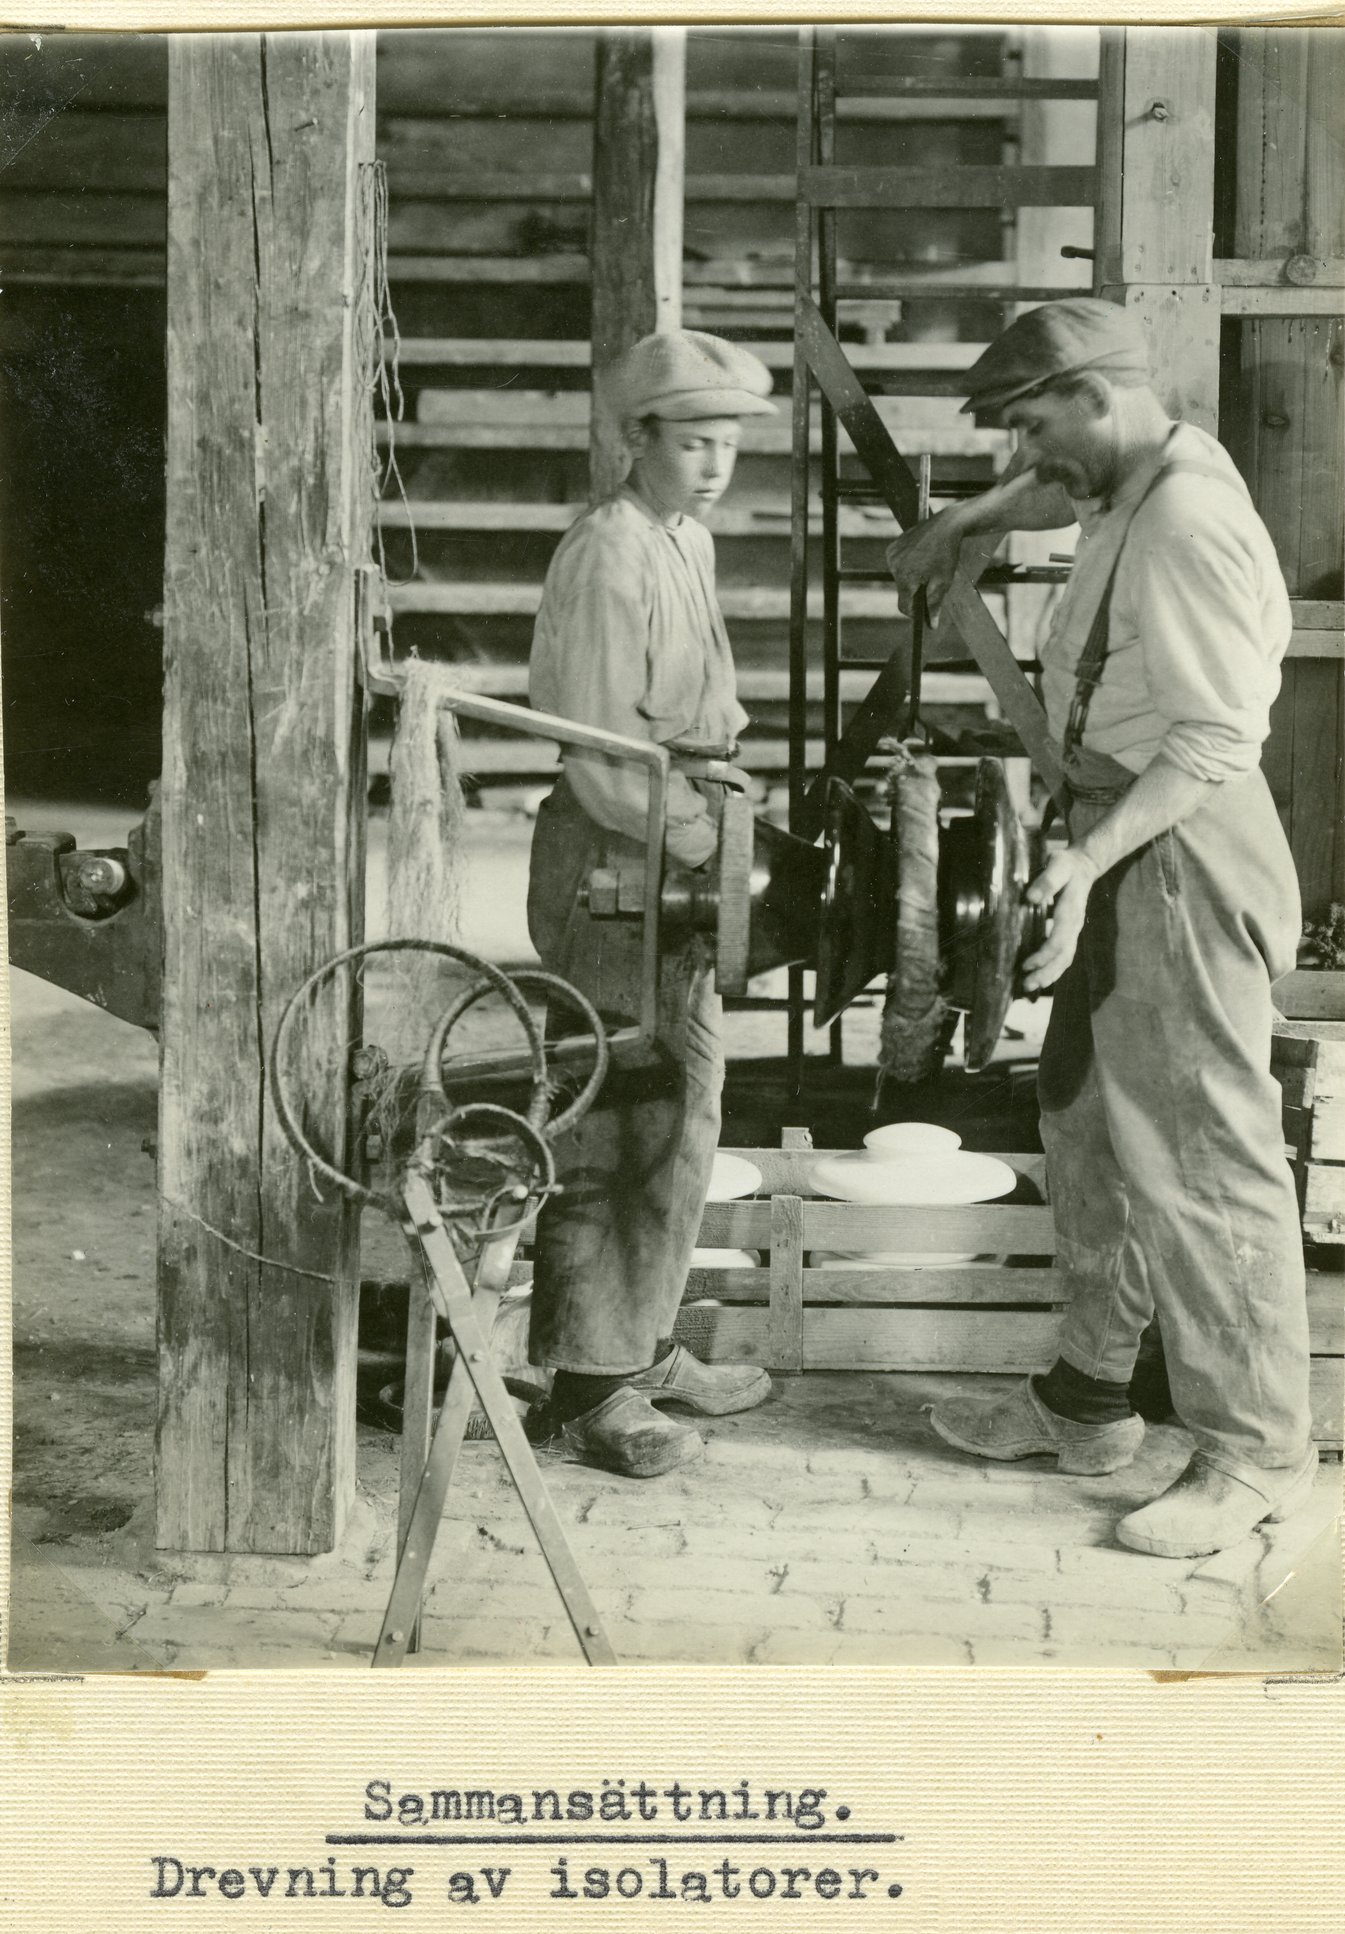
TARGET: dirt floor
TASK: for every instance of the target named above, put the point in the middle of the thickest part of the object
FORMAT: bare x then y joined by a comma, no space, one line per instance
828,1526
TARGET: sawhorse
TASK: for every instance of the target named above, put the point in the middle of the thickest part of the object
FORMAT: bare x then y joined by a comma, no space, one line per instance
470,1316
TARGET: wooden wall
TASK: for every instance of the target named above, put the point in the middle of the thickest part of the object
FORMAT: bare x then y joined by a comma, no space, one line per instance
1281,403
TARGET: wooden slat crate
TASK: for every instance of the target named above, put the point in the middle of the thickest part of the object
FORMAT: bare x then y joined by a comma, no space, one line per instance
1000,1316
1308,1059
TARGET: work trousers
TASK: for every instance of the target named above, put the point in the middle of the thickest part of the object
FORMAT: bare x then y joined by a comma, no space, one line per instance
1161,1124
613,1249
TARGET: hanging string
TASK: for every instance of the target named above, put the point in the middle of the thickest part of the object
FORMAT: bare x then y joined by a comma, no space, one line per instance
383,361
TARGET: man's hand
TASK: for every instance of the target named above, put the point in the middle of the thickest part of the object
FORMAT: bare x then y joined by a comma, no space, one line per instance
927,555
1063,884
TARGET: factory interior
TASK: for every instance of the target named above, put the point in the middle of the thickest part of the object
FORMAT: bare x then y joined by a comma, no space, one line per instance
297,335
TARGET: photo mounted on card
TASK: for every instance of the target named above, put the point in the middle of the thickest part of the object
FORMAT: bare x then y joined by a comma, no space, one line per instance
672,726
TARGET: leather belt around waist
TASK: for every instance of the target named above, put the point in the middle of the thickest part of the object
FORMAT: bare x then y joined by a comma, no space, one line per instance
711,766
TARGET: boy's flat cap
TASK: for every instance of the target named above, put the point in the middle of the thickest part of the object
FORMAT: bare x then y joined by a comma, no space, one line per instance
1057,339
682,374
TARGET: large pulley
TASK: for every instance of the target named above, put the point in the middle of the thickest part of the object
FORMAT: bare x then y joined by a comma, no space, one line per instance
772,900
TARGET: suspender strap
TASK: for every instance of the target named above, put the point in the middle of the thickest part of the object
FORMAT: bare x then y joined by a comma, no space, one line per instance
1093,657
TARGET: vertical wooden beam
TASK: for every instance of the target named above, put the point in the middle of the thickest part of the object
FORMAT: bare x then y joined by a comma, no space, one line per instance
784,1323
1156,230
1051,133
639,166
269,502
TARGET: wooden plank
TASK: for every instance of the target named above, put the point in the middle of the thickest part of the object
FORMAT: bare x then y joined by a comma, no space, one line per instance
929,1341
907,188
1326,1312
1181,322
981,1229
1309,997
744,602
785,1327
751,276
1269,272
1110,157
262,827
1300,1038
507,514
88,215
127,268
913,1340
1318,614
467,352
1316,833
918,1340
1316,644
704,104
1326,1394
1324,1202
754,687
1290,202
1297,1085
919,428
1167,167
1080,87
639,164
1284,300
1288,439
544,410
966,187
1327,1137
967,1284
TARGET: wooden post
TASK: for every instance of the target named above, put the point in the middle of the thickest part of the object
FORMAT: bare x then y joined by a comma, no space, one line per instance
639,147
269,503
1156,139
1051,134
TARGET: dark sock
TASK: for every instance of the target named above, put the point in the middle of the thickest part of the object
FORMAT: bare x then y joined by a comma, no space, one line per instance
572,1393
663,1349
1083,1400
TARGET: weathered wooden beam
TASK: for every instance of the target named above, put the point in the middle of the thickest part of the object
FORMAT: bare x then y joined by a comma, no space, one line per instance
1156,223
270,342
639,151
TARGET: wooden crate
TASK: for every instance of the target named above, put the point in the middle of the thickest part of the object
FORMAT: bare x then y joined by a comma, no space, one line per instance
1308,1059
998,1317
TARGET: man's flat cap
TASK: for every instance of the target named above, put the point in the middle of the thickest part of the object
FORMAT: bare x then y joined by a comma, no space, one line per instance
1057,339
682,374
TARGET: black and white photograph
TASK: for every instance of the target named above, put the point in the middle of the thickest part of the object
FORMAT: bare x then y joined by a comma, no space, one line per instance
672,725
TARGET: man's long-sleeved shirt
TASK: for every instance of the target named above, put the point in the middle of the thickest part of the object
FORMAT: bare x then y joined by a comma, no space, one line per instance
1200,618
630,638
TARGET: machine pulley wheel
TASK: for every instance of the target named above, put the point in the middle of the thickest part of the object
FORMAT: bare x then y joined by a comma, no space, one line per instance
984,870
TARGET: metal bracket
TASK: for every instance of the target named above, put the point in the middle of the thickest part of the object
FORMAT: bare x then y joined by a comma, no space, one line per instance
91,922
